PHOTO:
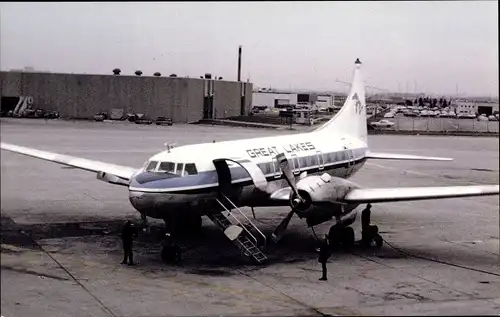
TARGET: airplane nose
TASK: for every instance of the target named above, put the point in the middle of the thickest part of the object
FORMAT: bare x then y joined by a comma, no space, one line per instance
140,200
154,203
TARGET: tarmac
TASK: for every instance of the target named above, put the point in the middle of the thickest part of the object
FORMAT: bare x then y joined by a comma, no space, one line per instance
61,249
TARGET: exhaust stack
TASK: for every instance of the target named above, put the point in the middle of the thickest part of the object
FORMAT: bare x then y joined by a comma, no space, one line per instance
239,63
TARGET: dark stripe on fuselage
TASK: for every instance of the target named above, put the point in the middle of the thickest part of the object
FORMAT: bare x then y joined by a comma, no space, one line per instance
164,182
268,178
239,175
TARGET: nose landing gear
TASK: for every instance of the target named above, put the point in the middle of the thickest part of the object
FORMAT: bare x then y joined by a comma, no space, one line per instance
170,251
187,227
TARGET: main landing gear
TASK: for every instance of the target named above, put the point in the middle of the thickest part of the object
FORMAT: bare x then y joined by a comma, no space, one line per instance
341,235
369,233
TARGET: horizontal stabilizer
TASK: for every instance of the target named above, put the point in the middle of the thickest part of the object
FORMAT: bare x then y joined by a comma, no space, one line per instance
379,195
390,156
122,172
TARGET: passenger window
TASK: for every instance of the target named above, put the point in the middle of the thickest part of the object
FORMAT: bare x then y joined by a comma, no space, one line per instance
179,168
167,167
151,167
190,169
303,161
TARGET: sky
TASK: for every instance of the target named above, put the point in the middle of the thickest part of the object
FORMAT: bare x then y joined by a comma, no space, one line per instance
432,47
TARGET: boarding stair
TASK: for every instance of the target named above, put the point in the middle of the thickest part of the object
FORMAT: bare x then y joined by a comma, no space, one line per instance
251,239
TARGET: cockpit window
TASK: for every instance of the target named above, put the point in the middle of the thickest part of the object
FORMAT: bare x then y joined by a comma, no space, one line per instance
190,169
151,166
172,168
167,167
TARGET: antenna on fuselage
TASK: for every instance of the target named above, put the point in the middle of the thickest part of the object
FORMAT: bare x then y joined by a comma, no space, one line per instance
169,146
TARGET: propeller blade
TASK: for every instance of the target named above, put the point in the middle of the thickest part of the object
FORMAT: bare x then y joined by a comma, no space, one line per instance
287,171
278,232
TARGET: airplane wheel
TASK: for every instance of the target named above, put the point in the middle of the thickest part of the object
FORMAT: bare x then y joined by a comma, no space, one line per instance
378,240
197,224
348,237
366,238
192,224
334,236
165,254
171,254
177,254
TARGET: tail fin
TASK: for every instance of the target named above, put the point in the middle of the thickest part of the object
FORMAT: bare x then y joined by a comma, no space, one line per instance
351,118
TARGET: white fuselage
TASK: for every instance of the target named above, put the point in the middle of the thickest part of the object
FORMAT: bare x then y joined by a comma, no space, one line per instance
183,190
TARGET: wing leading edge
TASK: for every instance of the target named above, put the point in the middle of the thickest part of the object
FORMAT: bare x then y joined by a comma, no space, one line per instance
390,156
382,195
122,172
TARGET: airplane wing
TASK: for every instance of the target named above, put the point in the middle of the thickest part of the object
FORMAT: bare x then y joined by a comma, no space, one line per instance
115,174
382,195
389,156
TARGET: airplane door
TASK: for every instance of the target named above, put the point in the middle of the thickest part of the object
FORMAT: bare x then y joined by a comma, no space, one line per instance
224,177
321,162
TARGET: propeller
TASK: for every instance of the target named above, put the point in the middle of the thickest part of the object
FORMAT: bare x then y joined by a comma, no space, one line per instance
297,200
287,171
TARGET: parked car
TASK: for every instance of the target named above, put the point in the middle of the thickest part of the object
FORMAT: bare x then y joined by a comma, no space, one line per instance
101,116
482,118
413,113
492,118
163,121
51,114
382,124
33,113
466,116
142,119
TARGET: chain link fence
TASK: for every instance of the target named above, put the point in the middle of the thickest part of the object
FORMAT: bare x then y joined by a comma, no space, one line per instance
401,123
429,124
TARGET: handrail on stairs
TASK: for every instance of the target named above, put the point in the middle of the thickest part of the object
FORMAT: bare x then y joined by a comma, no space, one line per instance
249,221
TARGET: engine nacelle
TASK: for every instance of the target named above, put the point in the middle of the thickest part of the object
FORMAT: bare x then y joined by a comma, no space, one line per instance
322,196
110,178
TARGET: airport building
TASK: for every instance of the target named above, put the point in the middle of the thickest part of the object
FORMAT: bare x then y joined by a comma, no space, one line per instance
82,96
274,99
475,108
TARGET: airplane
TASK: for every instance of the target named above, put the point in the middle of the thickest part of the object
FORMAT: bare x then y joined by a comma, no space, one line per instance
309,172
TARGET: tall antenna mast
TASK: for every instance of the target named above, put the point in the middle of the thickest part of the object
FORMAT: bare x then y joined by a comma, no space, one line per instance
239,63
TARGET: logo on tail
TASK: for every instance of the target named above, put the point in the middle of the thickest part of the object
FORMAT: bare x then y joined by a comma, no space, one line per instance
359,106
